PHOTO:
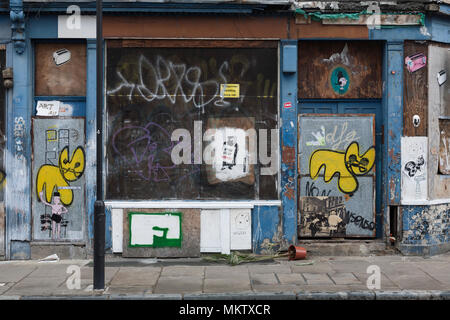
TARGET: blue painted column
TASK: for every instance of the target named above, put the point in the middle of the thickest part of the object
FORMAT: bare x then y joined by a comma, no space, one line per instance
393,98
289,116
91,147
18,156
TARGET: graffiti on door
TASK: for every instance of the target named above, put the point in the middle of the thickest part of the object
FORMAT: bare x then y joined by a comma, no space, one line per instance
337,175
347,165
59,162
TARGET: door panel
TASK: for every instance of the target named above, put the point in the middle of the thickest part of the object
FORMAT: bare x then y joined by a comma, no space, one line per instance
58,165
337,161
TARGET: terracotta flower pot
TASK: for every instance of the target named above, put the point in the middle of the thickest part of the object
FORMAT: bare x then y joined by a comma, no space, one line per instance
296,253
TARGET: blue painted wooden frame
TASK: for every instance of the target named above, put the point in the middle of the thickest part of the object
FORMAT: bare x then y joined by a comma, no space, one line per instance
288,149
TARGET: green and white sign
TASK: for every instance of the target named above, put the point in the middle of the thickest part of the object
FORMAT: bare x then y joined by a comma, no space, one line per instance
155,230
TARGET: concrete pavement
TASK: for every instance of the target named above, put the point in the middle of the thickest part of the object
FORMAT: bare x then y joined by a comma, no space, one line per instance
315,278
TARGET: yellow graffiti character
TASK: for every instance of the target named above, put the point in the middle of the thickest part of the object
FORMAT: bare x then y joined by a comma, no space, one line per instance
50,177
347,165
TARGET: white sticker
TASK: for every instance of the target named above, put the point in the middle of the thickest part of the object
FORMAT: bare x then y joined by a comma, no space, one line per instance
47,108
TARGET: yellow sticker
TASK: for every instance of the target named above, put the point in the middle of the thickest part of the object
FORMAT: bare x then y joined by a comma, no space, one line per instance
229,90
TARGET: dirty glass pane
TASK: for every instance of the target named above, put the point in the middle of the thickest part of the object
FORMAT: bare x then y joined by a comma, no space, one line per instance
151,92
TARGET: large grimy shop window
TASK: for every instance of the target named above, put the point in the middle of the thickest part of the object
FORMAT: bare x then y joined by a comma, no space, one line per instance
152,92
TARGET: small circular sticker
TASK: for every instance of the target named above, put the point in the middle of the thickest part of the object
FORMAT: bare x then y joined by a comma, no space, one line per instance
340,80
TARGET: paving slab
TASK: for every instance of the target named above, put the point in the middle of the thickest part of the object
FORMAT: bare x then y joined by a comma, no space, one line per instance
185,284
51,271
34,286
344,278
143,277
110,272
227,272
276,289
226,285
128,290
13,273
181,271
316,267
349,266
291,279
317,278
5,287
385,282
264,278
264,268
422,282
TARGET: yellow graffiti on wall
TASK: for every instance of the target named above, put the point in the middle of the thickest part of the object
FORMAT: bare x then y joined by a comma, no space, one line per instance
70,169
346,164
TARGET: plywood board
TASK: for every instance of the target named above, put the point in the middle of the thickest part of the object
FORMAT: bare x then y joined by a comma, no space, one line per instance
339,69
60,69
415,89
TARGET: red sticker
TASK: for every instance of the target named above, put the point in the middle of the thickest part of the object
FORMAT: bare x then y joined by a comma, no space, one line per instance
287,105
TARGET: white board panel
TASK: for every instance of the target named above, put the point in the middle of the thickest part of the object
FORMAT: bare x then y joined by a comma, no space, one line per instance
414,162
241,231
210,231
144,227
117,230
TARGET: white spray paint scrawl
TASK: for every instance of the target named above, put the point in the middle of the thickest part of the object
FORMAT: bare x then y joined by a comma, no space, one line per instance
414,168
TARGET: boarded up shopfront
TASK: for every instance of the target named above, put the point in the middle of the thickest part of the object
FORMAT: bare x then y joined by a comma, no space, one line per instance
340,137
207,103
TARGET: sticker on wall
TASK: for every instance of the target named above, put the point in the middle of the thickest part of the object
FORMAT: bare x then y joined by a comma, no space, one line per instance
441,77
414,168
415,62
156,230
61,56
340,80
229,90
287,105
47,108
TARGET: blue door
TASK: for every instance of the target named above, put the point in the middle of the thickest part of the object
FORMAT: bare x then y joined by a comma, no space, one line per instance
373,106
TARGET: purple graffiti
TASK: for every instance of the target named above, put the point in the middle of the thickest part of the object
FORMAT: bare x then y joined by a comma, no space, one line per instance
148,150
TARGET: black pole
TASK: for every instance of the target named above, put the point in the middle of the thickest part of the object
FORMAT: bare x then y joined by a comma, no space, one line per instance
99,206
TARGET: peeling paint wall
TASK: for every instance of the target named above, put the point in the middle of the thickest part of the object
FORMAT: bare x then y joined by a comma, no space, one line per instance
426,225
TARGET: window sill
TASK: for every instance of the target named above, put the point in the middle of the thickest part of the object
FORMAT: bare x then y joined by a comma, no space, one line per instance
185,204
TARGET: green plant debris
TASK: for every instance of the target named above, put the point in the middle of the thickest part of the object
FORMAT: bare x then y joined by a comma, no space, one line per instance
235,257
